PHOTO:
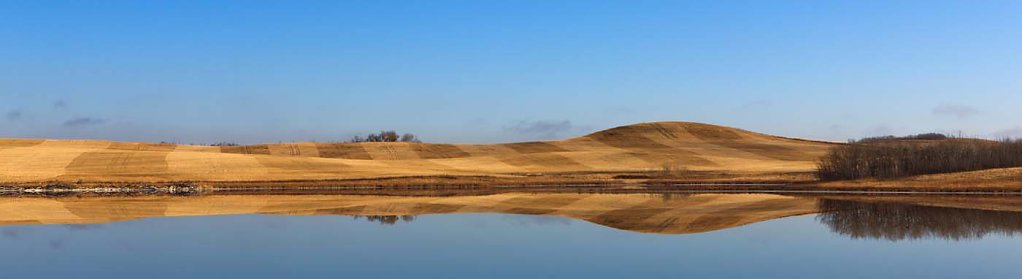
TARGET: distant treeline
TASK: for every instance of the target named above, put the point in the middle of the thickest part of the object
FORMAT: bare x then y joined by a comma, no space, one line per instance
926,136
382,136
894,158
386,136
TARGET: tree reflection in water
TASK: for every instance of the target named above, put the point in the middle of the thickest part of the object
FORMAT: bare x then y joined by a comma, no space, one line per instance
899,221
386,219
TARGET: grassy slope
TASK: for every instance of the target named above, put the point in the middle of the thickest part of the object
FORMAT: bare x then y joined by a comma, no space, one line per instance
641,147
992,179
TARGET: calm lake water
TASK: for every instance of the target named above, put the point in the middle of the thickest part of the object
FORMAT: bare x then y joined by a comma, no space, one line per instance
727,236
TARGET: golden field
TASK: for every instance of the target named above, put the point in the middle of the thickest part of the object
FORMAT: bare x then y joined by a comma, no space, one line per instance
659,153
646,147
1003,179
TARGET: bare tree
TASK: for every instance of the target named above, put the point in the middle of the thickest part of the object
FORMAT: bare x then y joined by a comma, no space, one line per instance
893,159
224,143
408,137
389,136
386,136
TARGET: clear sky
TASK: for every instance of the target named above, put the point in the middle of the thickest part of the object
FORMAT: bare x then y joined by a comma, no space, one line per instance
494,71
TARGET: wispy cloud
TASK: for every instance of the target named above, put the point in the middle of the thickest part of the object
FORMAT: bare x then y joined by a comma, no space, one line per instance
617,110
542,129
757,104
84,121
960,111
13,115
59,104
880,130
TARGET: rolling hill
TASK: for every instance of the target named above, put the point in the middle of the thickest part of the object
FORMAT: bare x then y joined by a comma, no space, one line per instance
632,148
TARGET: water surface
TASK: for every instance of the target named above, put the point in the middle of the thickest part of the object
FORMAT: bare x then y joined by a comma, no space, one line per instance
511,235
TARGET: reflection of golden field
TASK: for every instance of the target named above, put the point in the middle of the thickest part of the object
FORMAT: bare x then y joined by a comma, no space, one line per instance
634,212
647,213
642,147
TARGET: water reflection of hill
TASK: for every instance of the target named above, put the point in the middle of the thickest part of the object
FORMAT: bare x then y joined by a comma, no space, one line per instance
649,213
879,217
900,221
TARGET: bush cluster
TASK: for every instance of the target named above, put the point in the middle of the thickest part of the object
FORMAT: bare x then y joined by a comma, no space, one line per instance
386,136
225,143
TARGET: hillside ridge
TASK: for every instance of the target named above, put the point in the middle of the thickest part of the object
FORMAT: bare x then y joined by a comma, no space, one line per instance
639,147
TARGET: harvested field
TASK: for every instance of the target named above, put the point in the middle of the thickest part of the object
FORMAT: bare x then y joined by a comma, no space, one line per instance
643,147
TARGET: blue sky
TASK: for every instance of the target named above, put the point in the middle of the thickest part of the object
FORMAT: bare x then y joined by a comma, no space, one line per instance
495,71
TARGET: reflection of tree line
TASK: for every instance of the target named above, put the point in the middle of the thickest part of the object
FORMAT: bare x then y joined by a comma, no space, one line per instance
386,219
898,221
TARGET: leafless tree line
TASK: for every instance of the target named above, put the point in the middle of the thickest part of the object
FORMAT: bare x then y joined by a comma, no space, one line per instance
926,136
386,136
900,158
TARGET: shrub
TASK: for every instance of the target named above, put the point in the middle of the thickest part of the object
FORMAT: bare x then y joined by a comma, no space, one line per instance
385,136
407,137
